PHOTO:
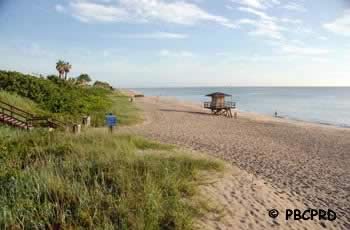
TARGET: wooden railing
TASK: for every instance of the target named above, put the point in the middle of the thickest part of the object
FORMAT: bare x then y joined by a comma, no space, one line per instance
15,114
47,122
28,119
14,110
226,104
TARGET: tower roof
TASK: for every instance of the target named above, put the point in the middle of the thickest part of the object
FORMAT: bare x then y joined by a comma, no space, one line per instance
216,94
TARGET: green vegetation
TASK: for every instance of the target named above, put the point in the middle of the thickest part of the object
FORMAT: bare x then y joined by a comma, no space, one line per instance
126,112
104,85
66,100
95,181
83,78
20,102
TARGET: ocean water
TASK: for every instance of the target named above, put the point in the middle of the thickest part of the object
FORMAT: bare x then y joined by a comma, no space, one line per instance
326,105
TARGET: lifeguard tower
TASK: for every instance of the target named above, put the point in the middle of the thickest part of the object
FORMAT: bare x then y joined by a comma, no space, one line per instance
218,105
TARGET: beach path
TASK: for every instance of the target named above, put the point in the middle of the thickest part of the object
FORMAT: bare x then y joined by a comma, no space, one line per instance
309,163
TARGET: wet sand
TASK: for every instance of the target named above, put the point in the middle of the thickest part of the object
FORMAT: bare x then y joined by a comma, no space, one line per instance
296,164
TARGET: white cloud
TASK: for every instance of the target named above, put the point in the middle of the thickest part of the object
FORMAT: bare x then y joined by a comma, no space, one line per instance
258,4
89,12
323,38
169,53
258,13
265,25
33,50
177,12
256,58
340,25
106,53
266,28
291,21
59,8
295,7
303,51
155,35
272,27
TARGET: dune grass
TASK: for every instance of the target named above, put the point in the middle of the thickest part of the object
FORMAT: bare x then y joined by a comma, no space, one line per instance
118,104
125,110
95,181
20,102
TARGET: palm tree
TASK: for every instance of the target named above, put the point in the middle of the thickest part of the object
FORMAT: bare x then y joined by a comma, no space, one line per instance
60,68
66,68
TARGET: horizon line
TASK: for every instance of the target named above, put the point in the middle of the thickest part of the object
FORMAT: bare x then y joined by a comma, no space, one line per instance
247,86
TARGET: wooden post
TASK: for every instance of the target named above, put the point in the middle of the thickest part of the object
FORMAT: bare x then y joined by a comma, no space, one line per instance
230,113
86,121
235,115
77,128
83,120
28,124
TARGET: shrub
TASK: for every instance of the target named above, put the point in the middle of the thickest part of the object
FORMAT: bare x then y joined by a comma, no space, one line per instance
104,85
84,78
62,98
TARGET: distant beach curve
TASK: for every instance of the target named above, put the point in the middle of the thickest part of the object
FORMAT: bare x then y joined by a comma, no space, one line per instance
324,105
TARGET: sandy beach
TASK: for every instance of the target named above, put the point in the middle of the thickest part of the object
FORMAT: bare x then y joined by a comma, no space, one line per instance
274,163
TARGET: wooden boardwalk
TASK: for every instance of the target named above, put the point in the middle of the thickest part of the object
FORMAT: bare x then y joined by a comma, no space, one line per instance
18,118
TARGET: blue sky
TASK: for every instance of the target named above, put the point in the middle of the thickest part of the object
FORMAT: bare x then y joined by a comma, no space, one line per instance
145,43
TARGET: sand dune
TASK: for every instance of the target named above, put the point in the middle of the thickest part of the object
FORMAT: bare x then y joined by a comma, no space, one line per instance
292,164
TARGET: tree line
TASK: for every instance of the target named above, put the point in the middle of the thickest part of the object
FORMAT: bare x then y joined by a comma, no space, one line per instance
63,68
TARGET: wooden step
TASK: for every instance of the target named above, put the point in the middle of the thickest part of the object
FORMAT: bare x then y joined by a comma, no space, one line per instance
4,118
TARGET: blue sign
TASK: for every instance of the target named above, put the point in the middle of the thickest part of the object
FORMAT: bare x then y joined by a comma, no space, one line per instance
111,120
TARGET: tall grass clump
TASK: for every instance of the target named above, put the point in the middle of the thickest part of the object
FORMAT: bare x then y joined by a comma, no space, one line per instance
20,102
94,181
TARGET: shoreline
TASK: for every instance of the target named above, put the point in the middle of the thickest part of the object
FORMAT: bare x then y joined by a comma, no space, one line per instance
251,114
257,115
247,114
